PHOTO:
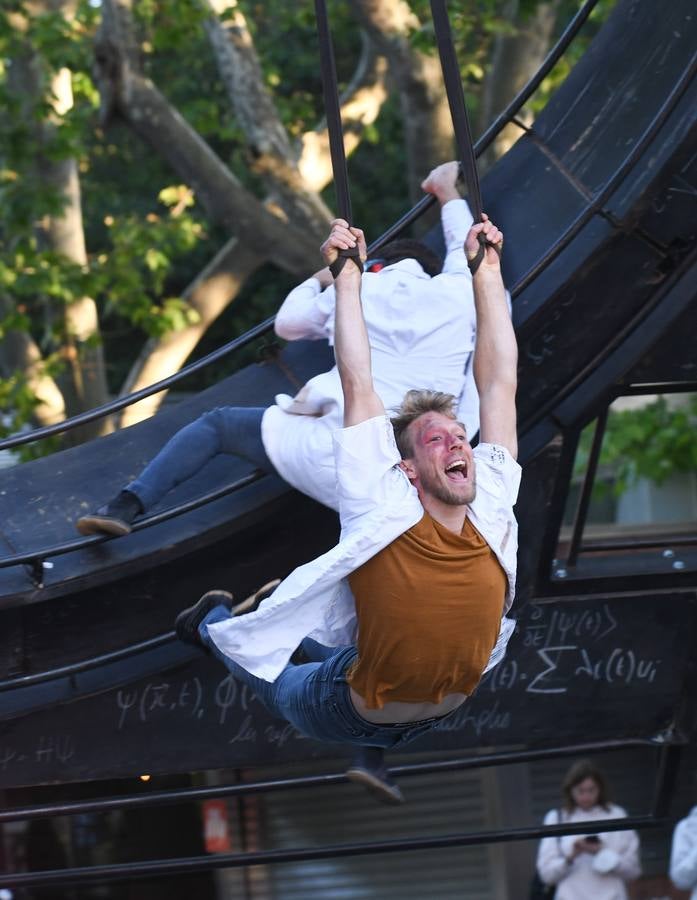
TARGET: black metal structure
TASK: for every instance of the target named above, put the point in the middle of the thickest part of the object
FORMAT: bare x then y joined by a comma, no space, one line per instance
597,202
667,767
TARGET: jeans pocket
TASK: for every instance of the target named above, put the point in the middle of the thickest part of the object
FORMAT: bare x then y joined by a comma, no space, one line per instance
347,722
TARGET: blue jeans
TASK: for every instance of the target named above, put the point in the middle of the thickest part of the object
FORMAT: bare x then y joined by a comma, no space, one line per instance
229,429
314,696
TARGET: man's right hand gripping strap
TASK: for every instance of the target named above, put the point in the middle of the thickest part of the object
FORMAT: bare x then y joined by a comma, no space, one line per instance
476,261
352,253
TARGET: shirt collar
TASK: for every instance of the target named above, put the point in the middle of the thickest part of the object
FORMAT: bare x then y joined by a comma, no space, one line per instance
411,266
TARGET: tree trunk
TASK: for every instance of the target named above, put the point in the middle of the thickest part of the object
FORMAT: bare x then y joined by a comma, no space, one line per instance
419,80
84,385
360,106
515,59
20,353
209,295
151,116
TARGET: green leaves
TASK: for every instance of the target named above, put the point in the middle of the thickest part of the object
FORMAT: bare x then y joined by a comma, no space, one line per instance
18,402
132,277
654,441
145,238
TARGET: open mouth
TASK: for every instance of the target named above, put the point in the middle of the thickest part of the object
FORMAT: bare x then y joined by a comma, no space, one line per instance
457,470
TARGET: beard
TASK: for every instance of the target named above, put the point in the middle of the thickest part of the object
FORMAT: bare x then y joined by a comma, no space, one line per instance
451,495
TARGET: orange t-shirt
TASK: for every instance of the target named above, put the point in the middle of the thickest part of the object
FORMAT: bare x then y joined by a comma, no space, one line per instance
429,609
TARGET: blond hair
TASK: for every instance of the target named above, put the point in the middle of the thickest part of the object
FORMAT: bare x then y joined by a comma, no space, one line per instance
416,403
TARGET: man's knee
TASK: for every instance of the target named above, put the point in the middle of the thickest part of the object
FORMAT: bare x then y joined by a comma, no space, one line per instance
234,430
221,417
222,423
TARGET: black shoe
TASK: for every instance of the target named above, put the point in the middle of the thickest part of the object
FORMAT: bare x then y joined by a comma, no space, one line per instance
299,657
252,602
368,768
114,518
187,622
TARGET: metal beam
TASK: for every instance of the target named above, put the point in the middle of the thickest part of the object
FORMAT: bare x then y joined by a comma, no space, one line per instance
180,795
191,865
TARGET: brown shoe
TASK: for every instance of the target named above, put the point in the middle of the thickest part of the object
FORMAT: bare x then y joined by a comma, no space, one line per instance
115,517
251,603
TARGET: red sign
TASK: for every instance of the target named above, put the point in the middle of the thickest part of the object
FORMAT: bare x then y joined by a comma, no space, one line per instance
216,831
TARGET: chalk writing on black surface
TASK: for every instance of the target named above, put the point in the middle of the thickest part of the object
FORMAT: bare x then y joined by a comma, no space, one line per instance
623,657
47,750
569,648
226,700
554,652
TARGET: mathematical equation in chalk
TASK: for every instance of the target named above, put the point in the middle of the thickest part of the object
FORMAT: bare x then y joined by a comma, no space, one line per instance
561,649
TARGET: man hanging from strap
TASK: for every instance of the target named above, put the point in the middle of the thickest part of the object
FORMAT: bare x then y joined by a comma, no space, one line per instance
421,325
414,595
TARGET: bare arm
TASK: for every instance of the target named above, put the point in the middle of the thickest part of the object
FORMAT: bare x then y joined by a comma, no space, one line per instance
351,346
496,350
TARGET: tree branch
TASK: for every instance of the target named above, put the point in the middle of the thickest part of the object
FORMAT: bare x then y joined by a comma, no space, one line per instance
272,155
515,59
419,80
361,103
19,352
209,295
241,73
227,202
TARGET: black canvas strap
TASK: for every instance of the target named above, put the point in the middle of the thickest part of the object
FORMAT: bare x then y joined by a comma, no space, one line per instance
456,101
460,119
334,127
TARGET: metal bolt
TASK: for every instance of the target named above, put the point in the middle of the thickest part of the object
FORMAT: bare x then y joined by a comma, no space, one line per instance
668,554
678,564
560,573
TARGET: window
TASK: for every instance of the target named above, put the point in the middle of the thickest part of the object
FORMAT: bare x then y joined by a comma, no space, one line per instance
633,490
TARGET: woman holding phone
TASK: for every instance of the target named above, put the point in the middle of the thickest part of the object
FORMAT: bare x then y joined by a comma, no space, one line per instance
595,865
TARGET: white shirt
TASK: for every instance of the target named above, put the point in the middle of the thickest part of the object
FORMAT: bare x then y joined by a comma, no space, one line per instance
683,854
579,880
377,503
421,332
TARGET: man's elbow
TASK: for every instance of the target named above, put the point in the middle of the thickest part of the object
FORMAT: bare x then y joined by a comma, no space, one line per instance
286,327
297,328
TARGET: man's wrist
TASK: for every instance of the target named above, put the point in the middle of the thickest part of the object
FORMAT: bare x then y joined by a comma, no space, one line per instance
446,195
486,273
348,279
